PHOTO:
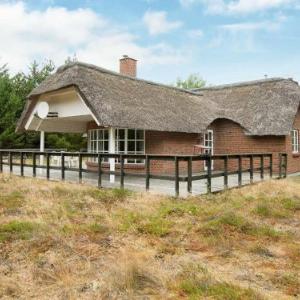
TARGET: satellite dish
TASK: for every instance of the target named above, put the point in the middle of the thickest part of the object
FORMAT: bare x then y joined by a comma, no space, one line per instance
43,110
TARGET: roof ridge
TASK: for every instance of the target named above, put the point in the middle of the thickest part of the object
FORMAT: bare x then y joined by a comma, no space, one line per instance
245,83
103,70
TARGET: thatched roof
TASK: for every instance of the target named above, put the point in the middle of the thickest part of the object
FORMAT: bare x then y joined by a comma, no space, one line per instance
266,107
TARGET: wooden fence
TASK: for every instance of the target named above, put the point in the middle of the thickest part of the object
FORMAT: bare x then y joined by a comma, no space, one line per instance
6,158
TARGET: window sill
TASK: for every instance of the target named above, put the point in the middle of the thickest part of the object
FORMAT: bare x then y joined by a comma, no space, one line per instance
296,155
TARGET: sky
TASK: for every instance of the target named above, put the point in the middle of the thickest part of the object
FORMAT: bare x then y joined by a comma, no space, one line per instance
223,41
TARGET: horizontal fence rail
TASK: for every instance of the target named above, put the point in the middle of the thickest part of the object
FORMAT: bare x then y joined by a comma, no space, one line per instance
233,164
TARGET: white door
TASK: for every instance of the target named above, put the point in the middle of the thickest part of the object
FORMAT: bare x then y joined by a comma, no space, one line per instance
209,145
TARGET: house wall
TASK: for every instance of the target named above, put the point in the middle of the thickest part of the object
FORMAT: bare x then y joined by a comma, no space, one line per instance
163,143
229,138
293,158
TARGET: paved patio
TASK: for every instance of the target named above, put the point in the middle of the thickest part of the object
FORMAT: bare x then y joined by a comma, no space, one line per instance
157,186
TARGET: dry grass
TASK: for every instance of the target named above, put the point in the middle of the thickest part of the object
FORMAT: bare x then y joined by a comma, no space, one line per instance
67,241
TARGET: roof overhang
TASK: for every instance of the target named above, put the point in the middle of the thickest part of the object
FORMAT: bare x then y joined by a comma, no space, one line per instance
71,113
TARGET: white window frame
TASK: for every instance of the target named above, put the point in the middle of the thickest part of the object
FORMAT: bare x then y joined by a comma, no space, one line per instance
93,139
295,140
209,149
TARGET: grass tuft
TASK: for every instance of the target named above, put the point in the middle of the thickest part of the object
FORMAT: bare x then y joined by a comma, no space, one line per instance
196,283
17,230
231,222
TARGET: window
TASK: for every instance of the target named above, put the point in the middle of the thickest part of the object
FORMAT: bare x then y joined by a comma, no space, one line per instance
295,140
209,145
98,142
127,141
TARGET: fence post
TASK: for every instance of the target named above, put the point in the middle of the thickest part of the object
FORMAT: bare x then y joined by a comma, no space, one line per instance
262,167
240,170
176,176
122,171
285,165
251,168
62,166
1,162
190,174
280,165
34,164
99,171
10,162
48,165
271,166
226,172
208,174
80,167
22,163
147,173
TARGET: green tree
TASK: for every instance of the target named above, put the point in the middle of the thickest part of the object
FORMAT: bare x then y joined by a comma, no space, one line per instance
194,81
13,93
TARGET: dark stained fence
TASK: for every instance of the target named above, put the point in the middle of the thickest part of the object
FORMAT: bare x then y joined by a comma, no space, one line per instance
255,163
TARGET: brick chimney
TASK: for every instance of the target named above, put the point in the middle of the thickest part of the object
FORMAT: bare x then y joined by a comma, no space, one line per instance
128,66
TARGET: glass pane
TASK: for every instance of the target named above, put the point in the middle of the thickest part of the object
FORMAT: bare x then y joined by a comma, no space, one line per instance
131,146
100,146
131,134
121,134
131,161
121,146
140,134
140,146
101,134
105,134
105,146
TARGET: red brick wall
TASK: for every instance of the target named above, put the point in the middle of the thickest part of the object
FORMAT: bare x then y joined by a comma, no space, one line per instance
157,142
230,138
293,159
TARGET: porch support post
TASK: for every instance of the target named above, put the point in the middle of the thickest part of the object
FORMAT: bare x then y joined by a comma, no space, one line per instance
42,146
112,150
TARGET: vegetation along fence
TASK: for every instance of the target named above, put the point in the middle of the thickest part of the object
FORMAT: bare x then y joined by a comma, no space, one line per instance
184,168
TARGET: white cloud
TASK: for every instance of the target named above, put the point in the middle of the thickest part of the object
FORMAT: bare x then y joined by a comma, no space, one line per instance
243,37
56,33
251,26
195,33
239,6
246,6
157,23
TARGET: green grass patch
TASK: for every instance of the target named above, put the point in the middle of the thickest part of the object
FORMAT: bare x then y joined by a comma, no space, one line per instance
153,224
108,196
291,204
196,283
90,229
18,230
233,222
12,201
179,208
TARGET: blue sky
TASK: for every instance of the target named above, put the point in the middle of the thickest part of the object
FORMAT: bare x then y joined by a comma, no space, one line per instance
222,40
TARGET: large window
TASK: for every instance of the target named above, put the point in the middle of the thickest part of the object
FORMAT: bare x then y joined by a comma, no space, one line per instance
98,141
295,141
127,141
